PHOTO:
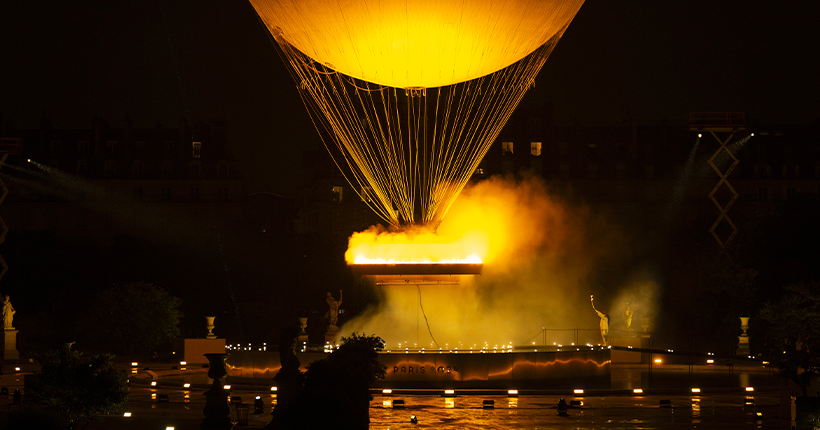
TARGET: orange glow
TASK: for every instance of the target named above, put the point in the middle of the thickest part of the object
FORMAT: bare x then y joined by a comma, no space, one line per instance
750,389
638,391
696,390
578,391
658,360
414,246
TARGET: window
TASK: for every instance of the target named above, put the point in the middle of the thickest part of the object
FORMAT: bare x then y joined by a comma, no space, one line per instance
562,148
197,147
139,145
110,168
138,169
535,148
763,194
367,194
166,194
506,147
55,148
337,193
82,148
166,169
592,170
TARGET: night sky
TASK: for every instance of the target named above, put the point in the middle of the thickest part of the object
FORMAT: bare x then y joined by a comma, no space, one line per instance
161,61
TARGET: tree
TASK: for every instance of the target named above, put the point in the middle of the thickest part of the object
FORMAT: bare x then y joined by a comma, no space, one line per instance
792,335
77,388
339,386
134,317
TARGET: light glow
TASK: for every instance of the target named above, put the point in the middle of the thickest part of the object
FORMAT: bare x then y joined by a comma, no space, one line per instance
750,389
578,391
416,44
637,391
226,387
127,414
696,390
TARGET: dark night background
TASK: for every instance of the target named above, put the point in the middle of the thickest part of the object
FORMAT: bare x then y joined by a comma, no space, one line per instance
160,61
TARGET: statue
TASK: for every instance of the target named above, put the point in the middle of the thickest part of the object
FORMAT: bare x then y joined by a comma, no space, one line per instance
8,314
628,317
604,322
332,314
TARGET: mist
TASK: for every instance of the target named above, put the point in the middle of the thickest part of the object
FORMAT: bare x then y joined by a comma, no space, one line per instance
543,257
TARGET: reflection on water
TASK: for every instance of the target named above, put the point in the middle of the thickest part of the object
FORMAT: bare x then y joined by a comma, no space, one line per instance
724,411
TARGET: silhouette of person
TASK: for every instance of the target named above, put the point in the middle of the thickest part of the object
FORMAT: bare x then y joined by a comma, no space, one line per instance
604,322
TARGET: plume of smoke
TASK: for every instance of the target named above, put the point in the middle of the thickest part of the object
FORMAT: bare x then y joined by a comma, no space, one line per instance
542,259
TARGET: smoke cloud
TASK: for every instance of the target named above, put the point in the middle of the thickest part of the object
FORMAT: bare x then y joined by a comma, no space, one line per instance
543,257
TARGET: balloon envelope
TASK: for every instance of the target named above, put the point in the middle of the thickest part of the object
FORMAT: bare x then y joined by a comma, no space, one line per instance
422,43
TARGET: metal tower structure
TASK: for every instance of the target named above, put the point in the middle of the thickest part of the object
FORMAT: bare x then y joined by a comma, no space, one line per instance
728,124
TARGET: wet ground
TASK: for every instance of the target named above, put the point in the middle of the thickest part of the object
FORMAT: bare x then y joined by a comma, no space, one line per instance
708,411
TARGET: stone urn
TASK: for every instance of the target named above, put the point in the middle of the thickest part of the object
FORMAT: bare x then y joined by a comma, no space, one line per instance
217,410
743,339
209,324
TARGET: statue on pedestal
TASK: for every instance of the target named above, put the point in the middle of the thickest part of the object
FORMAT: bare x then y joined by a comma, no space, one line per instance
332,314
604,322
8,314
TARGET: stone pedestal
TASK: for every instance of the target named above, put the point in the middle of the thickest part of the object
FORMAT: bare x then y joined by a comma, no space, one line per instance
10,350
332,334
217,410
743,339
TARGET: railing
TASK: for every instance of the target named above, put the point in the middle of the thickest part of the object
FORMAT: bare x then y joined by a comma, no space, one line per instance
11,145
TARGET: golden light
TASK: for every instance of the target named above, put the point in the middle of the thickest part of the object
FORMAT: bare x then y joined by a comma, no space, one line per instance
186,385
658,360
710,361
127,414
637,391
414,246
134,363
696,390
183,363
416,44
372,57
387,391
153,383
226,387
449,392
750,389
512,392
16,369
274,388
578,391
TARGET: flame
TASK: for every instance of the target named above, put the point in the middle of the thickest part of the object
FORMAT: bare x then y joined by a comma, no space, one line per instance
417,245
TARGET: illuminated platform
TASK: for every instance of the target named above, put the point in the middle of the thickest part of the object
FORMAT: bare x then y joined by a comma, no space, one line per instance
414,269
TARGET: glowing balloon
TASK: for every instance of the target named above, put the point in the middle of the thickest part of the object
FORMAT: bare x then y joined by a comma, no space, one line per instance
429,43
412,94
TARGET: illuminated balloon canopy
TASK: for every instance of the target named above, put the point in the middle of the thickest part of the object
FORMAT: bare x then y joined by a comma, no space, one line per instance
412,94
